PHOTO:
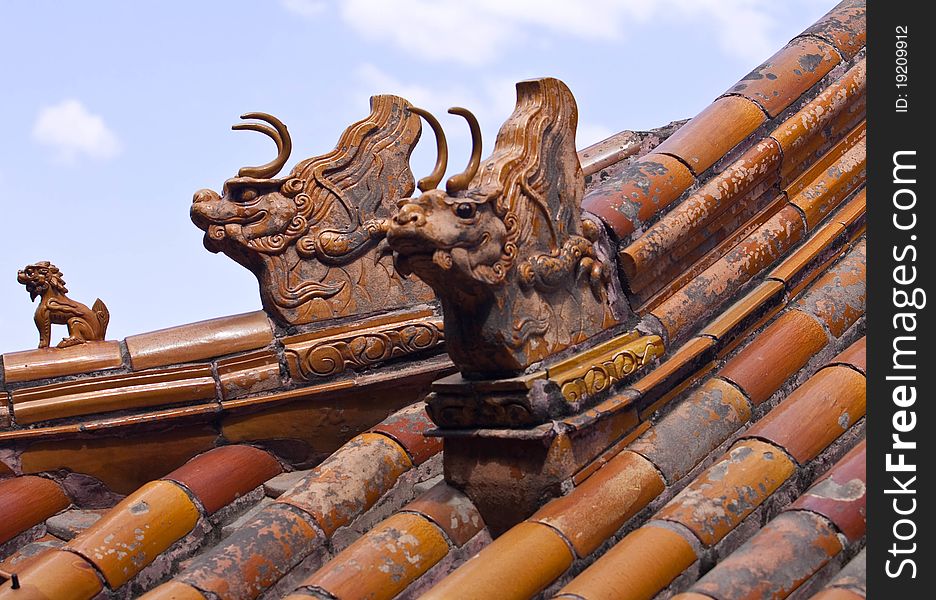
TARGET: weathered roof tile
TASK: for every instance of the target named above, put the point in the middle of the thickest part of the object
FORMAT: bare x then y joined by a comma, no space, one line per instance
198,341
517,575
708,292
799,541
55,575
708,136
221,475
43,363
841,494
639,566
832,186
844,26
815,414
26,502
384,561
133,533
838,297
349,481
598,507
728,491
406,427
645,187
451,510
782,349
786,75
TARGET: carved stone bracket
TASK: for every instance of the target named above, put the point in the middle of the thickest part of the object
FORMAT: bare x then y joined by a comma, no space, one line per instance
562,389
335,350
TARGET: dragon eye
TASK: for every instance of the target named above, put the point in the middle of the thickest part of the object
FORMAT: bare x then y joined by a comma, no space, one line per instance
465,210
248,195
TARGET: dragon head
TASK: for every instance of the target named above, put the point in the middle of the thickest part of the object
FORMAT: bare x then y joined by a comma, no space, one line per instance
312,237
504,247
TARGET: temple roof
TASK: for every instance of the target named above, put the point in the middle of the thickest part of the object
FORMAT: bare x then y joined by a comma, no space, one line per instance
239,458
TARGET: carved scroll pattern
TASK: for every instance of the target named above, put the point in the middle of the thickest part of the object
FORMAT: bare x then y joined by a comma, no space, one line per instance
335,356
603,375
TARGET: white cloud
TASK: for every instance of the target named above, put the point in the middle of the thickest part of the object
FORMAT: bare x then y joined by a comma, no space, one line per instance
304,8
73,131
476,32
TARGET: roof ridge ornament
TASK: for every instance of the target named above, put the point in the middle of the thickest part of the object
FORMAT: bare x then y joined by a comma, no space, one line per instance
313,238
505,247
44,280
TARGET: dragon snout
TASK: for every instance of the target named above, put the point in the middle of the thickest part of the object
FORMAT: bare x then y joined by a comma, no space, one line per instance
410,214
205,196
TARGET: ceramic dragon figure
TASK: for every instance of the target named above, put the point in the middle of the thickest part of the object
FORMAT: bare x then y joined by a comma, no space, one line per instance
505,246
313,238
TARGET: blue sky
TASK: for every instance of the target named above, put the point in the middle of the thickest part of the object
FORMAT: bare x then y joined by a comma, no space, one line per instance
115,113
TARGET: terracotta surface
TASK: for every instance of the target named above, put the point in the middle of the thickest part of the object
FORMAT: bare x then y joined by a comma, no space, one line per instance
854,355
506,240
133,533
498,571
729,490
43,280
695,427
705,294
57,575
612,451
350,481
709,245
115,392
384,561
220,476
837,182
674,369
744,314
840,495
779,351
406,427
636,568
815,414
254,556
609,151
844,26
786,75
173,590
28,501
837,594
451,510
598,507
28,553
314,235
668,236
774,562
713,132
122,466
808,261
198,341
852,579
30,365
249,374
853,216
838,297
794,134
644,188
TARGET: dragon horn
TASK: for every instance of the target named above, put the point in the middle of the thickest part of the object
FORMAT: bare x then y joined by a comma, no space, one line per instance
460,182
279,134
431,181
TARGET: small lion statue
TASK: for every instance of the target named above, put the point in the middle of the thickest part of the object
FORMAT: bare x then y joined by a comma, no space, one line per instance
43,279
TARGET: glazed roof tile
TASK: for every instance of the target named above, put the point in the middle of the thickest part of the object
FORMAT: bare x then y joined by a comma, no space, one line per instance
741,244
